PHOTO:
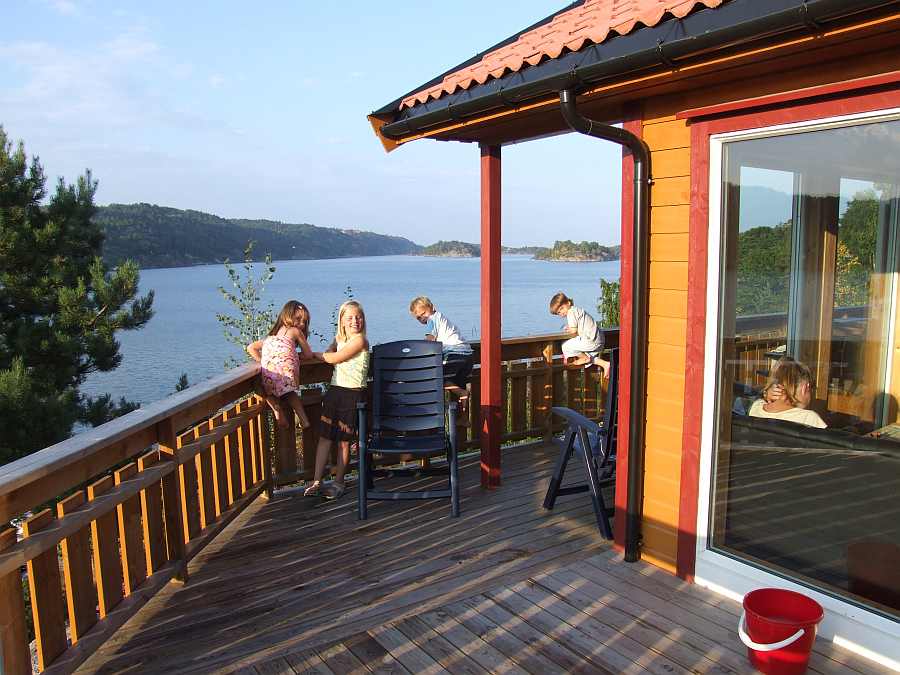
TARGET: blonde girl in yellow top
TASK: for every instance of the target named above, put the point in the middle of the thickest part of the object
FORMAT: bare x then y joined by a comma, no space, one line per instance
349,354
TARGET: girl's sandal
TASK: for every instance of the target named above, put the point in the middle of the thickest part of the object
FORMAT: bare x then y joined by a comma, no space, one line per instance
334,491
314,490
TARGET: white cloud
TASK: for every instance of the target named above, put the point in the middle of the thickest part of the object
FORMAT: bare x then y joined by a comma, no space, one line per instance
122,84
64,7
216,81
131,46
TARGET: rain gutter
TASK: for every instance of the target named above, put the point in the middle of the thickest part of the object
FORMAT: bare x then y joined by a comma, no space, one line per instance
639,283
731,24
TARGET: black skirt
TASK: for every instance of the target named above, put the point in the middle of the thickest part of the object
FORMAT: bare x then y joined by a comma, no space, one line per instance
339,418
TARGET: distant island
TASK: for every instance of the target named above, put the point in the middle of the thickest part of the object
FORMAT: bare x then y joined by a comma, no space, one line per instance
561,251
523,250
452,249
463,249
159,236
584,251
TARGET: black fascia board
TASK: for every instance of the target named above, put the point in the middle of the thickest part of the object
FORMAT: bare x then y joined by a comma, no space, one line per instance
733,23
393,106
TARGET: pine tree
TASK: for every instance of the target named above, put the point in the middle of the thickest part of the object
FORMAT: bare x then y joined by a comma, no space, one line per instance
60,307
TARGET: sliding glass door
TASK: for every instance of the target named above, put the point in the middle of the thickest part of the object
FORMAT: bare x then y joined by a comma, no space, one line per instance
808,288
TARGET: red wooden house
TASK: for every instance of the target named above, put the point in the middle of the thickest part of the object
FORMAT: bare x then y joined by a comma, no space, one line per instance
772,133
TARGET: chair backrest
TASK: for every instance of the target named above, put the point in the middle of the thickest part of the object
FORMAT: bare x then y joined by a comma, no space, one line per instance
609,431
407,387
601,437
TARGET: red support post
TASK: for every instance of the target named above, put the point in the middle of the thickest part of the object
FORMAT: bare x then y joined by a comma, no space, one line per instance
491,400
633,124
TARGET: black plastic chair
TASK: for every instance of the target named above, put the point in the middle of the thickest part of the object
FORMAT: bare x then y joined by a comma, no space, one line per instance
407,418
600,461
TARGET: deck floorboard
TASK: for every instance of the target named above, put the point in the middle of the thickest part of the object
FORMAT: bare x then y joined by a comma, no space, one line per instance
297,585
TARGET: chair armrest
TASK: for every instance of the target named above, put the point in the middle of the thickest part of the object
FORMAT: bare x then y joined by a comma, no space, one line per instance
576,419
361,413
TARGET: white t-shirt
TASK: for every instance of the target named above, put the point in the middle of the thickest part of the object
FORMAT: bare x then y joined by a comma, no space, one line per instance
447,333
803,416
584,324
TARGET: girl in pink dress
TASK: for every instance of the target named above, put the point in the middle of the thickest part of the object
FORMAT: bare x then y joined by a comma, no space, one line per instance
280,363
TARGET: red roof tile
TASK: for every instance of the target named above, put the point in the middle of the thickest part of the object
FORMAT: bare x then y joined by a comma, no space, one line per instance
590,23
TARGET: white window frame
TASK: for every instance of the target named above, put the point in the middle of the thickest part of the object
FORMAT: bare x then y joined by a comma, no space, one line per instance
865,632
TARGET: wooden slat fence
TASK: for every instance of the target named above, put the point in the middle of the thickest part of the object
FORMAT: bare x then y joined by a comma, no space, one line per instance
534,379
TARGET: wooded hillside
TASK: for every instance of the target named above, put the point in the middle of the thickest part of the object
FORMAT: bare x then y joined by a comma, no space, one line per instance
159,236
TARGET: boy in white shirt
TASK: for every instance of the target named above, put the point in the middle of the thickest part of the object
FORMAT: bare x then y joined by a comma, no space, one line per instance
586,346
457,353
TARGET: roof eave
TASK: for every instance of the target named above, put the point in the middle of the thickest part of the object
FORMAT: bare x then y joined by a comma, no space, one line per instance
391,108
707,30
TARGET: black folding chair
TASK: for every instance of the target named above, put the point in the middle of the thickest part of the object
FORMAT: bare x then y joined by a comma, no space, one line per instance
600,458
407,419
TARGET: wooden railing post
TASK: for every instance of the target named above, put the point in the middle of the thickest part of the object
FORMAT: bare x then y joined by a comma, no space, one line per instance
152,517
107,564
205,481
81,596
266,447
548,394
47,607
286,445
131,534
219,470
15,656
172,503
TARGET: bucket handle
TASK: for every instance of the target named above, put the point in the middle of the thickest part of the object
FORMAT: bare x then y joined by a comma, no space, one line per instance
742,632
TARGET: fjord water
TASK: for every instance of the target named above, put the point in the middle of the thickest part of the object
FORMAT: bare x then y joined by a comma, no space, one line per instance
184,336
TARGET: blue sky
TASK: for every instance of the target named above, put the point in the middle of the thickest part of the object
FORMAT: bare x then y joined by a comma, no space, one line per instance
259,110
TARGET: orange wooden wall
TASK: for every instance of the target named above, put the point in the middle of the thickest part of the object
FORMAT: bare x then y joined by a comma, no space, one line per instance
669,141
670,196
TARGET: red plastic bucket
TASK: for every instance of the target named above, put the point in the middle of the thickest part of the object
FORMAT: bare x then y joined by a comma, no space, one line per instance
779,628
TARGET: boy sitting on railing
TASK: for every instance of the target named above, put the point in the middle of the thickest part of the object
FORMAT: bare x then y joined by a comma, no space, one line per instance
457,353
584,349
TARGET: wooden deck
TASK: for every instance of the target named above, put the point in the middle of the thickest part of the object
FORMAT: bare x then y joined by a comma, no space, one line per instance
294,585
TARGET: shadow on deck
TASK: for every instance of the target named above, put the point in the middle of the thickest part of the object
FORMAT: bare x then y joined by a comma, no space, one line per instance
296,572
296,585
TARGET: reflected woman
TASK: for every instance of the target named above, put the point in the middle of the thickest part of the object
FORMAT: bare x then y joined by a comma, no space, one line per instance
787,395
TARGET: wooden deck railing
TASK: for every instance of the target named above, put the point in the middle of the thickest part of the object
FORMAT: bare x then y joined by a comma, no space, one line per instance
534,380
111,515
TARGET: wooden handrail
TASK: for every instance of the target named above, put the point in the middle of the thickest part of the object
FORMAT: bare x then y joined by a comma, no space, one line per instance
62,456
51,535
